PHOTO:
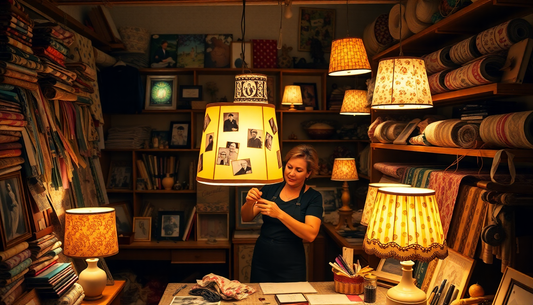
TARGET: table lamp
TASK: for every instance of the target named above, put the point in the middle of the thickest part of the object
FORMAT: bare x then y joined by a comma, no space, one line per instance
371,198
91,233
344,170
405,225
292,96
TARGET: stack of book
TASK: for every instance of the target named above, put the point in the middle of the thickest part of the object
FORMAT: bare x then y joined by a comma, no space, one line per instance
44,254
475,113
14,264
55,281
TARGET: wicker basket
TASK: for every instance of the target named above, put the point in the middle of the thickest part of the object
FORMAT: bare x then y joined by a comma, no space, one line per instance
348,285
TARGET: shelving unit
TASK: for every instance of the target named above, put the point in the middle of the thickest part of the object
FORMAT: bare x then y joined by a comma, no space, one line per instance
485,153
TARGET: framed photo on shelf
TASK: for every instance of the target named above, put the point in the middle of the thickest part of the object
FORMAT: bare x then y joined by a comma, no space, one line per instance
236,51
142,228
406,132
163,50
240,197
190,93
389,270
456,269
316,23
309,95
161,92
515,288
171,225
217,47
124,220
329,198
180,135
14,218
120,176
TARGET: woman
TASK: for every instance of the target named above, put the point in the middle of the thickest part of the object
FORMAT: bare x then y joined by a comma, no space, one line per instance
292,212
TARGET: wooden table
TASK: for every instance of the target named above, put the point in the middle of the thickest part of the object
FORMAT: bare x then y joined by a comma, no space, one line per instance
111,295
321,287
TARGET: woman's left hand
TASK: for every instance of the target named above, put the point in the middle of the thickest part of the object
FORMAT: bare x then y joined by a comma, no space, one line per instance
269,208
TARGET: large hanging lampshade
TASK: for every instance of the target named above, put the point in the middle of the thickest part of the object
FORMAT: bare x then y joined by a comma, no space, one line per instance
402,83
354,103
240,143
348,57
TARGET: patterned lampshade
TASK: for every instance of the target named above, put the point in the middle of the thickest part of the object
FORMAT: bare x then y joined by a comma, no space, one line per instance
344,170
406,225
251,88
348,57
371,198
402,83
354,103
292,95
90,232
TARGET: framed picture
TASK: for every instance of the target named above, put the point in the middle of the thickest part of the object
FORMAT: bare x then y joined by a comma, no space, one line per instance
142,228
161,92
515,288
180,135
217,50
159,139
406,132
15,219
240,197
309,95
171,225
389,270
456,269
191,50
124,220
190,93
120,175
212,227
236,51
329,198
316,23
163,50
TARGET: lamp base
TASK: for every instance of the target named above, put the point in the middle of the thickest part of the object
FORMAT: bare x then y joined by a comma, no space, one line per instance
406,292
292,108
345,216
93,280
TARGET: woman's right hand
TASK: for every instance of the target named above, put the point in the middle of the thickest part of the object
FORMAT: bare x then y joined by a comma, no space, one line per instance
253,195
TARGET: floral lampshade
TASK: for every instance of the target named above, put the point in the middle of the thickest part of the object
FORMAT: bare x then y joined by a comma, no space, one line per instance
251,88
406,225
348,57
402,83
344,170
371,198
292,95
355,103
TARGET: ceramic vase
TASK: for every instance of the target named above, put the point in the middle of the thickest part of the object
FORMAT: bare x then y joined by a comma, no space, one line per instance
168,182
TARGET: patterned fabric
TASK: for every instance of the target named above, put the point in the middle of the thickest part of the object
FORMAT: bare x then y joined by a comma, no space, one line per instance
506,252
508,130
53,93
104,237
15,293
16,270
41,267
18,83
15,260
18,75
7,146
71,296
5,282
12,42
265,53
417,176
47,41
51,54
396,170
8,288
228,290
24,62
136,40
80,299
5,255
18,68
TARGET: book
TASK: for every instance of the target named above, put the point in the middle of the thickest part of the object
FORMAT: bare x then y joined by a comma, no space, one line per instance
47,276
330,299
283,288
291,299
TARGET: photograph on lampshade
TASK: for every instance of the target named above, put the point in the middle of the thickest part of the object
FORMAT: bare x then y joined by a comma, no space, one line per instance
280,163
209,141
272,123
231,121
223,156
241,167
200,162
268,141
233,150
207,120
255,137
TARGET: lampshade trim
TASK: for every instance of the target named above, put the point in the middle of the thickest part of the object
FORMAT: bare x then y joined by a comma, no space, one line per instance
96,210
236,182
393,250
239,104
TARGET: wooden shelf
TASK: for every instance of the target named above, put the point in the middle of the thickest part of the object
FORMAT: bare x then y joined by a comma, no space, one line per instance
324,141
170,111
485,91
119,191
474,18
307,111
168,244
230,70
152,149
213,2
486,153
166,192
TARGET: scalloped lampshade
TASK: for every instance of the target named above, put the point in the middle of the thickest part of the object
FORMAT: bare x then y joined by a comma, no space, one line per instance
371,199
292,96
354,103
348,57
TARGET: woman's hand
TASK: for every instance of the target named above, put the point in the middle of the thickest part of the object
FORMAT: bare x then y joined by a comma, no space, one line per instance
253,195
269,208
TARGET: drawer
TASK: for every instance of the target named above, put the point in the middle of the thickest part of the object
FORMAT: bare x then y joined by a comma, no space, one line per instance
204,256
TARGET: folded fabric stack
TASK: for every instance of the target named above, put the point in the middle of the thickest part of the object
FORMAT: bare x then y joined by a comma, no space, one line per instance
73,296
12,122
55,282
45,251
128,138
14,263
51,41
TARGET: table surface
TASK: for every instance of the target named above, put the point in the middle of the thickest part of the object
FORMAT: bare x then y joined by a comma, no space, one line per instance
109,294
321,287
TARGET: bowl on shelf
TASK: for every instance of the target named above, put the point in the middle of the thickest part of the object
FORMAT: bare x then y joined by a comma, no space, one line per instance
320,131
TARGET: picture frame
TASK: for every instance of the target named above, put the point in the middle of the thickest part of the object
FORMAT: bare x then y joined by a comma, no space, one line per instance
329,198
142,228
406,132
515,288
456,269
191,51
190,93
309,95
389,270
14,218
120,175
236,60
240,200
217,50
180,135
163,56
123,217
161,92
170,225
316,23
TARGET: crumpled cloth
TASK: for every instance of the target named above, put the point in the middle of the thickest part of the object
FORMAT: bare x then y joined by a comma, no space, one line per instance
227,289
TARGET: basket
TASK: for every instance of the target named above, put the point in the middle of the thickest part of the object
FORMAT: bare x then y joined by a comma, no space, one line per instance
348,285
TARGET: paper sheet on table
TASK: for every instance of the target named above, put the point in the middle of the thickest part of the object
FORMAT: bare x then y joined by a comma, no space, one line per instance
295,287
329,299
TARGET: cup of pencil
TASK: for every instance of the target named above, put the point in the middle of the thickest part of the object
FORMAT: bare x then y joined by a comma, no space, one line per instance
352,284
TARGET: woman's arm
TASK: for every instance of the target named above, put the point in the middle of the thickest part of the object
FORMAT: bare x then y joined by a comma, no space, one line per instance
249,209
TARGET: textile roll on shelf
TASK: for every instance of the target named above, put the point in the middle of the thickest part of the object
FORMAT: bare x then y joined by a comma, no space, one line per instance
503,36
102,59
444,133
438,61
468,136
483,71
512,130
465,51
419,140
394,22
436,82
418,14
376,35
388,131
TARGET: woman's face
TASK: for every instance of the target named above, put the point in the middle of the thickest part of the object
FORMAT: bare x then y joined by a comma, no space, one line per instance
296,171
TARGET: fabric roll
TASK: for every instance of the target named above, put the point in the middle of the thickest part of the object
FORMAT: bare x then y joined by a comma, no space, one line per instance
444,133
71,295
7,274
468,136
10,162
394,22
483,71
19,83
18,68
53,93
15,260
506,251
503,36
17,134
383,134
8,139
394,130
395,170
413,22
438,61
18,75
5,282
436,82
14,292
512,130
369,40
425,9
381,31
498,198
80,299
419,140
465,51
102,59
8,146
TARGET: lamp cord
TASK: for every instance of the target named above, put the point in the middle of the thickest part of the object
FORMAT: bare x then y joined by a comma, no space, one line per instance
280,24
401,50
243,31
347,21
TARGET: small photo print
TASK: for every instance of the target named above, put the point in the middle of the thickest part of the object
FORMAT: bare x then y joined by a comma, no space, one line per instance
255,137
191,49
171,226
241,167
201,163
268,141
233,150
207,120
209,141
217,50
231,121
273,125
223,156
191,300
280,164
163,50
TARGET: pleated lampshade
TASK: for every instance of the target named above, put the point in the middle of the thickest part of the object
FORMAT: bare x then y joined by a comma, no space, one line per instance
354,103
402,83
405,225
348,57
371,198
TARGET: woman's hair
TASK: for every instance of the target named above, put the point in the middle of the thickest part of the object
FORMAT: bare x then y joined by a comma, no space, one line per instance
308,153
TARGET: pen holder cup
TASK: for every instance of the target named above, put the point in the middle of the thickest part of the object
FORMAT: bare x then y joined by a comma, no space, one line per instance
348,285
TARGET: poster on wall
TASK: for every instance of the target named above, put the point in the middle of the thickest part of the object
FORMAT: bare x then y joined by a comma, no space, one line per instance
191,49
217,50
163,50
316,23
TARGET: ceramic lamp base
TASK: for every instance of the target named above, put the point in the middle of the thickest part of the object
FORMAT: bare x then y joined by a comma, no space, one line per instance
292,108
93,280
406,292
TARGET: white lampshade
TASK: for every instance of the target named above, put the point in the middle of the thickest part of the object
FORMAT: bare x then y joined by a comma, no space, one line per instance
355,103
292,95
